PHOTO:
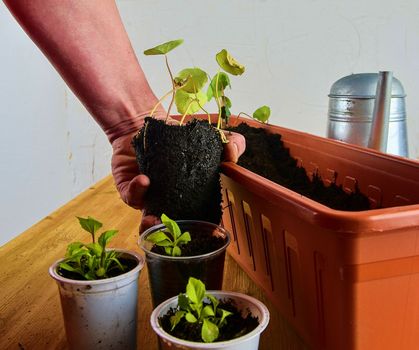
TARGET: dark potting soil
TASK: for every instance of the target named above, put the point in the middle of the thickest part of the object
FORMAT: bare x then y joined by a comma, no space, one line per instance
237,324
202,242
266,155
114,271
183,164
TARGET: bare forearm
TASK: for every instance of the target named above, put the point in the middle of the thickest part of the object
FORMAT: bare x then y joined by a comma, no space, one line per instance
86,42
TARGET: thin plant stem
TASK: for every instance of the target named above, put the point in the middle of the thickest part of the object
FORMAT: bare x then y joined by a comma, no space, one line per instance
186,112
173,88
160,101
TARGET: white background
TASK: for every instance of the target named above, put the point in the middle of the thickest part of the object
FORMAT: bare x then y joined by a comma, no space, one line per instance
293,50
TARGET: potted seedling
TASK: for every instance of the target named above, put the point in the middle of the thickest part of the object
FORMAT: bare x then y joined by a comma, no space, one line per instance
98,290
199,319
182,159
177,250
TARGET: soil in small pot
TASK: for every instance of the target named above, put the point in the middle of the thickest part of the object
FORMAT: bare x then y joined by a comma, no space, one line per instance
183,164
128,263
267,156
168,277
237,324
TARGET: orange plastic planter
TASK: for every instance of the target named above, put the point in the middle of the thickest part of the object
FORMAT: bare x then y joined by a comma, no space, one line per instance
344,280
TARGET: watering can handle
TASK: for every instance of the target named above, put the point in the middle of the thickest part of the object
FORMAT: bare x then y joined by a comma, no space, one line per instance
381,115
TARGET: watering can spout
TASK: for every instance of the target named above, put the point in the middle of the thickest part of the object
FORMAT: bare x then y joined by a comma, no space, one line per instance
381,114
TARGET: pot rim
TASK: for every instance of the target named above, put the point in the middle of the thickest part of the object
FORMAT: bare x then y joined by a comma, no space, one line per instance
140,264
148,252
263,322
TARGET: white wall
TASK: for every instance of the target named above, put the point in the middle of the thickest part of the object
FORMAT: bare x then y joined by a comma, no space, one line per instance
293,52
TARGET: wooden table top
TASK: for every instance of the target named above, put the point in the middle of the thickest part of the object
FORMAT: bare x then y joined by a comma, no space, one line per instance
30,312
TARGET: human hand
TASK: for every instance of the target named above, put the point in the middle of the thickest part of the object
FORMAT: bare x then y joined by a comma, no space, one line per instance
132,185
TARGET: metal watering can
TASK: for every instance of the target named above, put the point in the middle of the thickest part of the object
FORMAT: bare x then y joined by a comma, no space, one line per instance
368,109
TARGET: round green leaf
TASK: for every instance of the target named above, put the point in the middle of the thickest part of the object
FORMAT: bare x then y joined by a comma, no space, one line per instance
164,48
228,63
195,79
186,102
262,114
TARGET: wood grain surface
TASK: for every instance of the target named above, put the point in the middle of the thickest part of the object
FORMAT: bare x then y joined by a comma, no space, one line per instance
30,313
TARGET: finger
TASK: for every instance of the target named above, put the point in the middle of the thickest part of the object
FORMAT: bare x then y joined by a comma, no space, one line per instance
148,221
235,146
135,191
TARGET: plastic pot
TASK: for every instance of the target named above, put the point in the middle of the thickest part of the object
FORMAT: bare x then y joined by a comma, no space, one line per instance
169,275
101,314
245,303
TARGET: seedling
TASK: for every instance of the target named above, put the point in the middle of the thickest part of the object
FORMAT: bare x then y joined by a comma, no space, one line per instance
92,261
198,306
187,87
171,239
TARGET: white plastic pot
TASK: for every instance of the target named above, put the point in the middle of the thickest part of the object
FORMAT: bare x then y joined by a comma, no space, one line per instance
101,314
249,341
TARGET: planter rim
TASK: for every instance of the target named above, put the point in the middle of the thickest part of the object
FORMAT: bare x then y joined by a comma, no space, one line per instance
53,271
178,258
263,322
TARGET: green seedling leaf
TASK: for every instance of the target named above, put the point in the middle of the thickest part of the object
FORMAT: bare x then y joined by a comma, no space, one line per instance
184,238
195,290
176,318
207,311
90,224
226,101
106,236
187,103
262,114
225,113
100,272
214,301
209,331
176,251
195,79
159,238
171,225
164,48
67,267
95,248
183,301
224,314
168,250
228,63
219,87
72,247
190,317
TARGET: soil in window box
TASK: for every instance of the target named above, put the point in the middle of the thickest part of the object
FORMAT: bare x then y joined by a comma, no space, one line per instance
266,156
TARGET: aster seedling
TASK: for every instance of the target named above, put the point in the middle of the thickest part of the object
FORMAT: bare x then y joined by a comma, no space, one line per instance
92,261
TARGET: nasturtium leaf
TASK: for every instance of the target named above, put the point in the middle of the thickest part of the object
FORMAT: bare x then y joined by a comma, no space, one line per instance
106,236
195,290
186,102
228,63
226,101
209,331
171,225
90,224
164,48
195,79
262,114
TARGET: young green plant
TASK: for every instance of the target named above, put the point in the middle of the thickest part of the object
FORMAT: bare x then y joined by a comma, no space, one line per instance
92,261
171,238
197,306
